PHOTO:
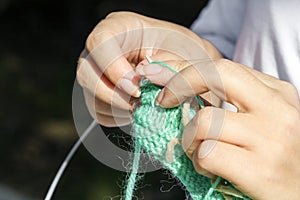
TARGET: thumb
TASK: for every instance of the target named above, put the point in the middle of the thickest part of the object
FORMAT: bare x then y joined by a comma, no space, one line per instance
155,73
187,83
160,74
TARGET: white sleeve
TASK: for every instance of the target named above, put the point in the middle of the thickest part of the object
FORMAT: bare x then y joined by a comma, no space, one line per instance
220,23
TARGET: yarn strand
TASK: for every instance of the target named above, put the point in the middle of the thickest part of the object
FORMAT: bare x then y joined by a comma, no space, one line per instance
132,178
163,64
201,104
212,188
166,124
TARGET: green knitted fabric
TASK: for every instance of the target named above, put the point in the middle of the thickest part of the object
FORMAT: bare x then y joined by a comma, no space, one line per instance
154,127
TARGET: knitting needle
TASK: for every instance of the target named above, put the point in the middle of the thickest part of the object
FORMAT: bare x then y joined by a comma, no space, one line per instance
149,59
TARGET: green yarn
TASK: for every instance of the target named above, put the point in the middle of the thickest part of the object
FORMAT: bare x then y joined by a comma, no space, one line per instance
153,129
133,175
163,64
212,188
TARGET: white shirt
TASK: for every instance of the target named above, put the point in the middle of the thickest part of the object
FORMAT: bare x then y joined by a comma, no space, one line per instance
264,34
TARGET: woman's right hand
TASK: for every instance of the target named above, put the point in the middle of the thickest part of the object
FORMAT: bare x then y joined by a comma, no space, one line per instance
119,43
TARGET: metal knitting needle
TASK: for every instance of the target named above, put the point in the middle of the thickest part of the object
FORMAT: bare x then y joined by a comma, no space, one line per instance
68,158
149,59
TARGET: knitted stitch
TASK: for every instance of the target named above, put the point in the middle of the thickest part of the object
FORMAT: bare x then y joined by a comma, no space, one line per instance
154,127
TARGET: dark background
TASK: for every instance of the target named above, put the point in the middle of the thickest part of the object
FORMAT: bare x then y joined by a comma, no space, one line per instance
40,41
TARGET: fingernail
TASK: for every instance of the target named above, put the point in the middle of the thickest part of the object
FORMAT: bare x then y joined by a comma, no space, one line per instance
140,71
130,75
129,87
160,97
151,69
206,148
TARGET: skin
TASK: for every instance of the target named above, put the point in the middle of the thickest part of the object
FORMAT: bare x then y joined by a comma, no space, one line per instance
111,86
258,146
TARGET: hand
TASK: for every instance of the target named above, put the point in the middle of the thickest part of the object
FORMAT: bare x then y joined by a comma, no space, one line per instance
115,47
256,148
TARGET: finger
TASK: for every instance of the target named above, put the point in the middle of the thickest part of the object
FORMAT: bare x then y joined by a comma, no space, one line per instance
283,87
213,123
206,173
109,121
160,75
265,78
121,73
155,73
97,106
105,50
210,99
222,159
176,62
92,80
226,79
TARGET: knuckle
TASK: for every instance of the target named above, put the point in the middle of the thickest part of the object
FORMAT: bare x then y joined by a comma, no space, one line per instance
205,114
290,119
197,162
118,14
97,36
202,121
288,87
173,97
277,98
113,14
79,76
197,165
92,40
223,63
179,65
103,120
201,163
83,74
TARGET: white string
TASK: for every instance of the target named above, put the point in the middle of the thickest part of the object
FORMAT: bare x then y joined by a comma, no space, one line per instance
68,158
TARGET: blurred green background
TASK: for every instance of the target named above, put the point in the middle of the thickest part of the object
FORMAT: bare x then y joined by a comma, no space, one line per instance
40,42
